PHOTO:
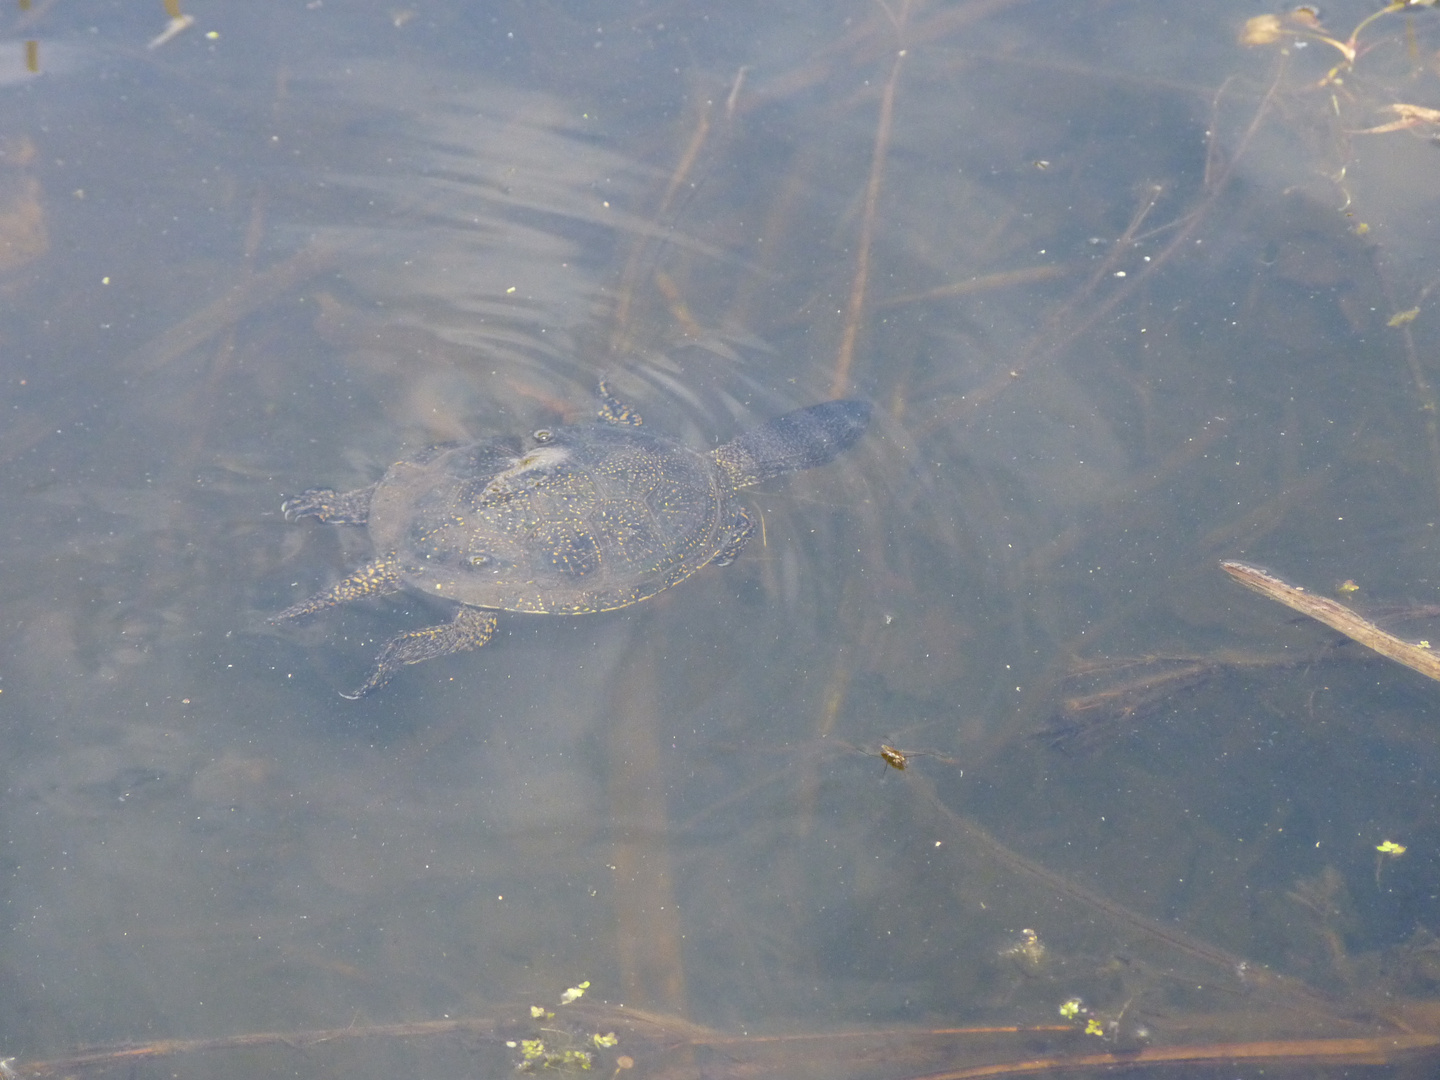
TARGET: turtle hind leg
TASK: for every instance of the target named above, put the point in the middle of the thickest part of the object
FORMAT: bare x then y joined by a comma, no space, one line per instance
471,628
332,507
377,578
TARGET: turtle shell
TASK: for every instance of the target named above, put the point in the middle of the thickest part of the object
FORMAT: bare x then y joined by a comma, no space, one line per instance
586,518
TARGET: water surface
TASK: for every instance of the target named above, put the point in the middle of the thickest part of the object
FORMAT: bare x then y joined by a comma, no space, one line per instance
1124,293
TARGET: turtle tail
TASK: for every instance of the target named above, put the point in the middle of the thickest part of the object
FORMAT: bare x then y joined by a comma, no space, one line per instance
801,439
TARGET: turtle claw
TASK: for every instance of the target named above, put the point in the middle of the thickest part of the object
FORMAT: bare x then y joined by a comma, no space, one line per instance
335,508
307,504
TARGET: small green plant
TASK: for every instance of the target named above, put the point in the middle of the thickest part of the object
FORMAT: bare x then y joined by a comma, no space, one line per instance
557,1048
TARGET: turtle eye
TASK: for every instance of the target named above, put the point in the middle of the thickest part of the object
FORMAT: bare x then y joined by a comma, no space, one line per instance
480,560
544,435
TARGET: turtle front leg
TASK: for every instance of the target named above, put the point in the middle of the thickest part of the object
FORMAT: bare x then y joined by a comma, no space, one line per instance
740,531
471,628
334,508
377,578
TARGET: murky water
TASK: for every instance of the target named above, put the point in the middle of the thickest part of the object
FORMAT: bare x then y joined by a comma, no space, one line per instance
1129,298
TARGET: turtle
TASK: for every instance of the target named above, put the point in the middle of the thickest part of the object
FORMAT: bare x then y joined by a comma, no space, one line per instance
581,518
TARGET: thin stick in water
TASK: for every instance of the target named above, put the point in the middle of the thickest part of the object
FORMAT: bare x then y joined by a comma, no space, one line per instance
1338,617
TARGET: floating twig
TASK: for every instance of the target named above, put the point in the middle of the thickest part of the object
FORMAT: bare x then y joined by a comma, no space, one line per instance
173,29
1416,656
